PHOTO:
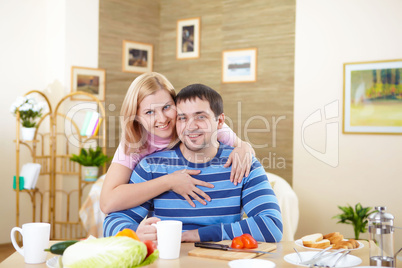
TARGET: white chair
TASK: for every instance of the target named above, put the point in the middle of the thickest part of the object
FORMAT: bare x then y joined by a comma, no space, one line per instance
90,213
289,204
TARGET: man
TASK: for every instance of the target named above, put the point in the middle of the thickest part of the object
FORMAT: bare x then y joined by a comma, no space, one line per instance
199,116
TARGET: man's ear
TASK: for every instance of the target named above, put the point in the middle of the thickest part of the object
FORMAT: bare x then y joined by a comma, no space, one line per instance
221,120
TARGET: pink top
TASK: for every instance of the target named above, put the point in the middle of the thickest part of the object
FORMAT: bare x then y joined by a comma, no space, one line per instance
155,143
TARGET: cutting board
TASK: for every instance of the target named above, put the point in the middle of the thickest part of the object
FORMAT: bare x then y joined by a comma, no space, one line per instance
230,255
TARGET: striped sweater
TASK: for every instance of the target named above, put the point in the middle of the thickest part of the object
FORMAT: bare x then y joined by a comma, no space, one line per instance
221,218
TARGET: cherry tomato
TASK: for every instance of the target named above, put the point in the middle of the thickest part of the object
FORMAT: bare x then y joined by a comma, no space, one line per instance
150,247
237,242
249,241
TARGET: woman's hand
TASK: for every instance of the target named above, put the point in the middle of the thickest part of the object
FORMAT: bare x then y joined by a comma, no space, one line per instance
146,231
241,159
183,184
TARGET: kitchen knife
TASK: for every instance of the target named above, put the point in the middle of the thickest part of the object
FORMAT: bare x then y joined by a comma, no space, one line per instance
227,248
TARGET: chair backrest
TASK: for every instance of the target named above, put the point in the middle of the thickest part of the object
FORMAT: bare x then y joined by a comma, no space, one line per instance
289,204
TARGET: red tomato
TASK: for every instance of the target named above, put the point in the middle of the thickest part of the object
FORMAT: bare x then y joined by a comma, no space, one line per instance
249,241
150,247
237,243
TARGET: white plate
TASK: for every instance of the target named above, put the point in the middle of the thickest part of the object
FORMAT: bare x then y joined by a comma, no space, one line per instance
300,243
347,261
53,262
255,263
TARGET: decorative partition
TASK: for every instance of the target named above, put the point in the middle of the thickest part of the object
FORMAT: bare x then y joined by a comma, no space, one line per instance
56,138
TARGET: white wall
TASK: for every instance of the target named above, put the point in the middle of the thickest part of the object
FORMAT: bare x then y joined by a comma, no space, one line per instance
39,42
329,34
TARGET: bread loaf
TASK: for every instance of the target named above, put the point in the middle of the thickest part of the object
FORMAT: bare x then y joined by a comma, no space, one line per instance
335,239
327,236
343,244
355,243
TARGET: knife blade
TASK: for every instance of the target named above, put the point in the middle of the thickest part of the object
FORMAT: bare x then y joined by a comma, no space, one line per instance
227,248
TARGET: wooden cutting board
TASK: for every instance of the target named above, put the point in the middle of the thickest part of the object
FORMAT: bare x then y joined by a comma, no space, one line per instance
230,255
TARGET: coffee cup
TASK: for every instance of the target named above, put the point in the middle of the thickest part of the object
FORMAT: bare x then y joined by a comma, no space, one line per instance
169,238
35,239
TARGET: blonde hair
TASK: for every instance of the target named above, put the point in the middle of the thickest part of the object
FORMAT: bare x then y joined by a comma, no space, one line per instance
134,135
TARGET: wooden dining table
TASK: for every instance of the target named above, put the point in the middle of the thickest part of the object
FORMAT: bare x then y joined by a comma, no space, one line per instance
283,248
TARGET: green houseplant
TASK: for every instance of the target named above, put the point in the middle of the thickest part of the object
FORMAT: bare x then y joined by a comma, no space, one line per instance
29,110
91,160
357,216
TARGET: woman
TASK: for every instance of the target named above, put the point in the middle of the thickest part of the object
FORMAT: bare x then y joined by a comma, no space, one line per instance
148,117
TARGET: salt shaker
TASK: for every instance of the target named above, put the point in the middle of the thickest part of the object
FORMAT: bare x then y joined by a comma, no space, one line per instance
381,240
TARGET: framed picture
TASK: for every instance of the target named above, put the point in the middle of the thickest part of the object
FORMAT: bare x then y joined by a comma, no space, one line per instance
188,38
137,57
89,80
239,65
373,97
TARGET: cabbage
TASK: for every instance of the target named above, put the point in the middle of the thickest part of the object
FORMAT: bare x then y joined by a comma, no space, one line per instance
115,251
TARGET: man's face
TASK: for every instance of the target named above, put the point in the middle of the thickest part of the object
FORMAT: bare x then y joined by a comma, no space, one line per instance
197,125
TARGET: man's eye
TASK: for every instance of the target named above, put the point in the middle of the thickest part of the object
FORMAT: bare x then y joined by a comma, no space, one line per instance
181,118
201,117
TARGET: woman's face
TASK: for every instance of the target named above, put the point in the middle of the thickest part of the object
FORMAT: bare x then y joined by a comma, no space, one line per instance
157,114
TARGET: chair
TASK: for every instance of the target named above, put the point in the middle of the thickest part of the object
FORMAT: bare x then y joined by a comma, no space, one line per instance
289,204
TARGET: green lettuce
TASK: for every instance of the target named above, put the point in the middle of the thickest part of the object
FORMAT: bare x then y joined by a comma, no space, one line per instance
151,258
114,251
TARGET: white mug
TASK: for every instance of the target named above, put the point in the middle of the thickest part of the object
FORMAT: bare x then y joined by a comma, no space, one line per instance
35,239
169,238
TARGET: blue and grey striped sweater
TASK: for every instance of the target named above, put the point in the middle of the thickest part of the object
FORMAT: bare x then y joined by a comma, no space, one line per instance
221,218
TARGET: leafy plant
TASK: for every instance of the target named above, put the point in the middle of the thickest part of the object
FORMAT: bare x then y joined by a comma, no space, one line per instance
357,217
91,157
29,110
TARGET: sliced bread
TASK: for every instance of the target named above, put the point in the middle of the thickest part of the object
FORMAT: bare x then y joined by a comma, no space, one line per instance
311,239
321,244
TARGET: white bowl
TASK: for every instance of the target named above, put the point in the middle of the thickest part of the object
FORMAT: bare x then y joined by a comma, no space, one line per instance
251,263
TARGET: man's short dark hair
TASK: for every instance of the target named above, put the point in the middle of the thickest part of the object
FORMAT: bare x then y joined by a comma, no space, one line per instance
202,92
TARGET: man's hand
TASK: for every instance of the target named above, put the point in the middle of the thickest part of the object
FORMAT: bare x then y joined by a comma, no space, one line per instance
190,236
146,231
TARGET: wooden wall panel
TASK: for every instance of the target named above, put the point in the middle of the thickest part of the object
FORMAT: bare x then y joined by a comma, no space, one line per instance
268,25
233,24
119,20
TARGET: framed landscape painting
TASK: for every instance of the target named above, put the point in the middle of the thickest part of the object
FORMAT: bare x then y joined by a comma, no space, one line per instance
188,39
89,80
373,97
239,65
137,57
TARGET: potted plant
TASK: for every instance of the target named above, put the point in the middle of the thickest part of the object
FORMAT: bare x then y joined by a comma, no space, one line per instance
29,110
358,217
91,160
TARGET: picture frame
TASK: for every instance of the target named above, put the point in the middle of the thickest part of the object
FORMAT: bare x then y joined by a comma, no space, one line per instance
372,97
90,80
239,65
137,57
188,38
